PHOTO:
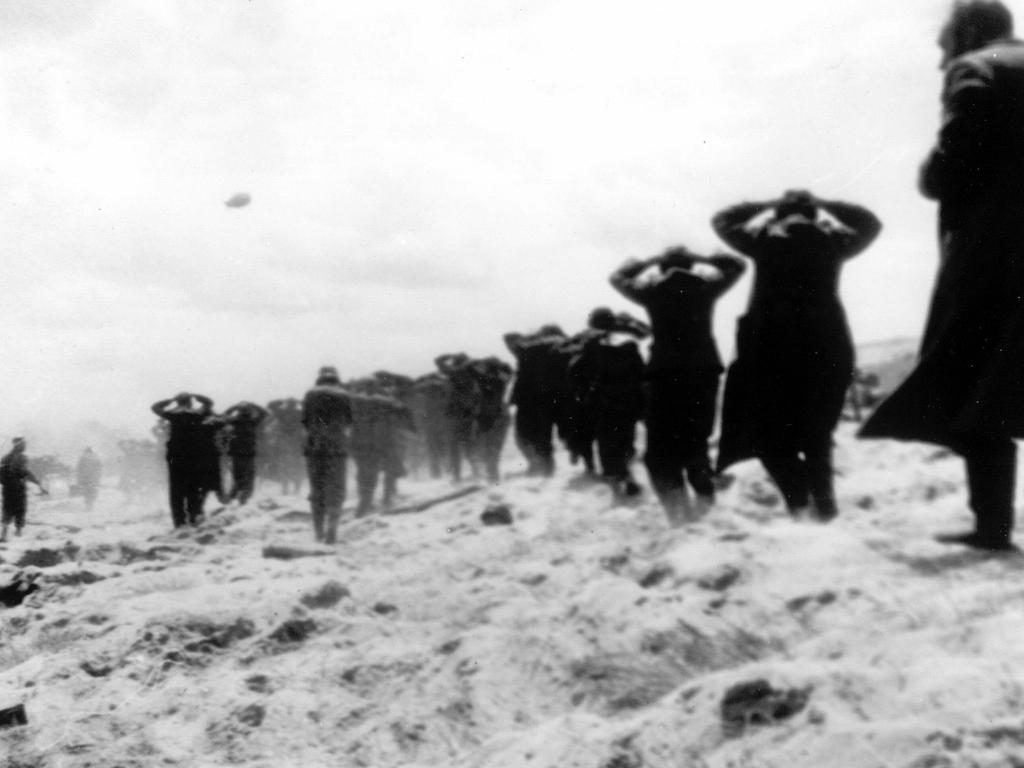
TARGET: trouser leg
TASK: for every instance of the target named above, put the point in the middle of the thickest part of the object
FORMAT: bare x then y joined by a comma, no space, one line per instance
699,475
524,424
435,451
535,425
334,497
698,403
367,470
177,492
315,469
196,488
789,473
820,476
615,436
991,464
243,471
664,454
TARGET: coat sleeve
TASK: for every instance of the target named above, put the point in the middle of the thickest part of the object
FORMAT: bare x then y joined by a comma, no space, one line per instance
962,161
626,280
733,226
859,228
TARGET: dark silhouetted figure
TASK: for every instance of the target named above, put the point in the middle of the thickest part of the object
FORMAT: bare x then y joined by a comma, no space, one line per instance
285,441
244,420
378,421
326,415
188,454
539,394
491,419
14,475
428,401
609,375
684,367
967,391
463,400
87,477
794,356
577,427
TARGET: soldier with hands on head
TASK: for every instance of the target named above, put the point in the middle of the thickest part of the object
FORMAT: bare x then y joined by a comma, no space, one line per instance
683,370
243,420
188,451
326,415
784,392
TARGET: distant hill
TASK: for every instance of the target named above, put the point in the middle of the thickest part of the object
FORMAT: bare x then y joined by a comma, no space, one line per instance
890,359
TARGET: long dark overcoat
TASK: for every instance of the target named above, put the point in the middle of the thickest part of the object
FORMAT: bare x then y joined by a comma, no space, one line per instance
794,355
969,379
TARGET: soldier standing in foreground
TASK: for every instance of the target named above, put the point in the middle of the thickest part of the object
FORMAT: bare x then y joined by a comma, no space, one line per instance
966,391
326,415
14,474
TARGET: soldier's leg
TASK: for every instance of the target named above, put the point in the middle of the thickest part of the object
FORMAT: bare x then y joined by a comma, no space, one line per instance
176,488
245,478
699,401
455,448
432,447
315,468
789,473
334,497
390,488
991,463
196,488
546,420
524,434
663,454
820,476
494,440
368,467
19,511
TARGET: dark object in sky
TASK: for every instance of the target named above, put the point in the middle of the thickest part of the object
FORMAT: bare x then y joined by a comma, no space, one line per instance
239,200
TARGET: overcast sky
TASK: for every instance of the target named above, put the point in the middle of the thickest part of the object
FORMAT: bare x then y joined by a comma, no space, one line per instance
425,175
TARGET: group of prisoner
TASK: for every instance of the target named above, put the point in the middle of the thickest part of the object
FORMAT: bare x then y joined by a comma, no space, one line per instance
783,393
595,387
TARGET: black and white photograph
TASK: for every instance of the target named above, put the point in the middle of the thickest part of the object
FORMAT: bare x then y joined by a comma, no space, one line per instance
511,384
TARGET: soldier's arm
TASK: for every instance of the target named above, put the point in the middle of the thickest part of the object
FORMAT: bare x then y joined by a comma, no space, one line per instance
513,341
732,268
626,281
206,404
962,158
160,407
862,226
733,225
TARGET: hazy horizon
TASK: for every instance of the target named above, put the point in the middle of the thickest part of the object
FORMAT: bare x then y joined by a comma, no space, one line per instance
423,178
